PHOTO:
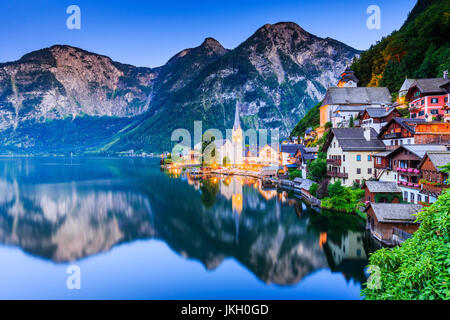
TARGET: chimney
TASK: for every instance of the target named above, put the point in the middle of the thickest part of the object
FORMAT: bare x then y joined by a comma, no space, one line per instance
446,74
367,131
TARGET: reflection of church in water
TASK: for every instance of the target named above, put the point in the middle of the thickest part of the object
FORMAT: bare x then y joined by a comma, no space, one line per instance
231,188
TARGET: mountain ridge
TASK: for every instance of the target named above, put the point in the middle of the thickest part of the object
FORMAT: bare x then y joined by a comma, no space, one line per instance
277,74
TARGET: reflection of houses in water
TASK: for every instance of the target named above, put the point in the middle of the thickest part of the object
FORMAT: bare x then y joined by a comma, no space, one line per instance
347,256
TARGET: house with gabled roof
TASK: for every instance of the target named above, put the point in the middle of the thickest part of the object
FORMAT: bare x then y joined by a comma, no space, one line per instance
350,154
433,179
392,223
427,98
401,131
353,97
377,118
382,191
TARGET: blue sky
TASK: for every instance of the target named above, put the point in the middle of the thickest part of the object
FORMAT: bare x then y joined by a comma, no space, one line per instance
148,33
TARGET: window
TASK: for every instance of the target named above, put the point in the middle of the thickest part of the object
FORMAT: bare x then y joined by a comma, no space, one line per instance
358,171
358,157
392,142
378,160
405,196
412,197
369,158
413,115
369,170
421,113
422,102
419,198
446,99
409,141
434,100
343,157
434,111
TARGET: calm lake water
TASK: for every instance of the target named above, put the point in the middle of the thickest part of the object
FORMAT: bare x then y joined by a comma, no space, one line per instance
139,233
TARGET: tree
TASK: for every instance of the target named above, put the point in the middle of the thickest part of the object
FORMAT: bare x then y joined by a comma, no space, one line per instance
420,267
317,169
352,122
208,152
226,161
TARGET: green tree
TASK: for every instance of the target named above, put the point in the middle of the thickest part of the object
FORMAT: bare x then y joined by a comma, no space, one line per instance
420,267
352,122
317,169
226,161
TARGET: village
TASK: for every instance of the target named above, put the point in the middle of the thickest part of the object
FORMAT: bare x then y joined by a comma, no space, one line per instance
380,159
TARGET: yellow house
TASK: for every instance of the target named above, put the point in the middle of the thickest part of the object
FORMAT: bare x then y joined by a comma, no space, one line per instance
350,154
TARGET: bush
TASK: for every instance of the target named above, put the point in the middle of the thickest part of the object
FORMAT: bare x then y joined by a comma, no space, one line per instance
420,267
313,189
295,174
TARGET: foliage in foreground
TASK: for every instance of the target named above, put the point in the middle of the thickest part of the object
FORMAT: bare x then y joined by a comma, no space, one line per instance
420,267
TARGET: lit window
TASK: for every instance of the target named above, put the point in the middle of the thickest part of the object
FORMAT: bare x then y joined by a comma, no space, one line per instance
369,158
358,157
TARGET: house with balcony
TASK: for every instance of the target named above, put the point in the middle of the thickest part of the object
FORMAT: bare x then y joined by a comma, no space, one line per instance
433,179
350,154
377,118
405,162
427,98
400,131
392,223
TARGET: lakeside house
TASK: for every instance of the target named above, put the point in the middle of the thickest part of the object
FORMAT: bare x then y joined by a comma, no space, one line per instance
303,156
382,192
350,153
392,223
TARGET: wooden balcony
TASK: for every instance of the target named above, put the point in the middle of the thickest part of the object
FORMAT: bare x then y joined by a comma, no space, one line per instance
334,162
434,190
411,172
336,174
393,135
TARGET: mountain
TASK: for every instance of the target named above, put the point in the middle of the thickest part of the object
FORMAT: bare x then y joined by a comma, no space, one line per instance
276,76
419,49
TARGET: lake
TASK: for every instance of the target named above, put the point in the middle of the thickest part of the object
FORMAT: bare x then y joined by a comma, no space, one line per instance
136,232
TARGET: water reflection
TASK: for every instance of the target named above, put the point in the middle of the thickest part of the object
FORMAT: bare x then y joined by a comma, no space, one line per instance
65,211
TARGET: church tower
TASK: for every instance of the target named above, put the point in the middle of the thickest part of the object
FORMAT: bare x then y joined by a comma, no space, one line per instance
237,138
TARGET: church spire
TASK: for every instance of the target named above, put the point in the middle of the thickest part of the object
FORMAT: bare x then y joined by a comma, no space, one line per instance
237,121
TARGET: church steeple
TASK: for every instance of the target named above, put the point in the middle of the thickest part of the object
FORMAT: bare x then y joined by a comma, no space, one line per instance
237,121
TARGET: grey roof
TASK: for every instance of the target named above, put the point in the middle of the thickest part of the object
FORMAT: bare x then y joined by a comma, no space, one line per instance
352,139
395,212
421,149
383,186
346,108
383,154
303,183
407,84
291,148
348,75
358,96
439,158
379,112
312,149
431,85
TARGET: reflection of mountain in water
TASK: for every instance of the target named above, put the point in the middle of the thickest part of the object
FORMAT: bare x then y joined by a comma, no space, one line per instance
73,217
